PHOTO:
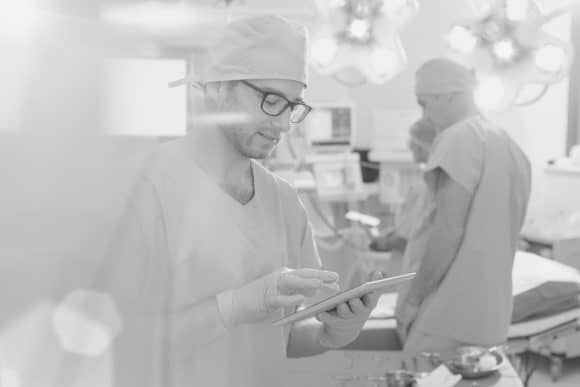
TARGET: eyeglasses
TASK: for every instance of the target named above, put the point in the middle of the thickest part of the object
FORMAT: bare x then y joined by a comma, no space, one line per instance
274,104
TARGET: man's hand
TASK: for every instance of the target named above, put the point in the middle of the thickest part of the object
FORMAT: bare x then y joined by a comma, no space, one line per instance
388,240
255,301
383,241
343,325
406,316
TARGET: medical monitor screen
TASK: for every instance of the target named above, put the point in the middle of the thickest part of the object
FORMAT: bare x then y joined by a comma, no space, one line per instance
329,127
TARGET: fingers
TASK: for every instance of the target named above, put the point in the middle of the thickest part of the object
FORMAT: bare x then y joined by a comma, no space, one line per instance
283,301
327,317
290,284
343,310
305,281
353,309
322,275
375,276
370,300
332,288
357,307
309,292
350,309
379,244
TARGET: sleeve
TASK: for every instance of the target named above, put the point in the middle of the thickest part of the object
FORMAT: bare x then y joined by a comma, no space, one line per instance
459,152
134,276
407,219
137,259
140,278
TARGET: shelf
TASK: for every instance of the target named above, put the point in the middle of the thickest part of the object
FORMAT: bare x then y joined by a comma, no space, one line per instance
563,166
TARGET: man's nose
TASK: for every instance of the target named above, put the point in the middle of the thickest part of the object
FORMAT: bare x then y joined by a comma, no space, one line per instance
282,121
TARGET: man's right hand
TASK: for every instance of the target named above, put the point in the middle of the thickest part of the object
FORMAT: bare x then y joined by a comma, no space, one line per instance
383,241
255,301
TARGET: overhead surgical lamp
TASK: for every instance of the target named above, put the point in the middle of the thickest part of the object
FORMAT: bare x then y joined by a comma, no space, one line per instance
511,53
358,40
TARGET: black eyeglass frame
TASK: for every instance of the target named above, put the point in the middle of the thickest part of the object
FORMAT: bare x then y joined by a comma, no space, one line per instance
289,103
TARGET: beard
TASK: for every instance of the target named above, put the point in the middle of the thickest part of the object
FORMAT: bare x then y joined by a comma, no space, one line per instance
247,142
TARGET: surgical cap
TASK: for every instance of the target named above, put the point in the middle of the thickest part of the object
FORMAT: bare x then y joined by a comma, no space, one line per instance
258,47
443,76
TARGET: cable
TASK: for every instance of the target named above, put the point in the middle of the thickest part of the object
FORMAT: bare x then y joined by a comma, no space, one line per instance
527,367
319,212
534,99
531,368
332,227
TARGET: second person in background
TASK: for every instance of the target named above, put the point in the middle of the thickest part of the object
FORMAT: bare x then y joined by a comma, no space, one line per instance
480,182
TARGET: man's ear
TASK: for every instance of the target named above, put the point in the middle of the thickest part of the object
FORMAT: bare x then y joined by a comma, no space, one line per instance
219,93
212,90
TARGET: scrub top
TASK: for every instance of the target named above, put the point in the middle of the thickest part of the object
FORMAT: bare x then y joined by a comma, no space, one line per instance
417,205
417,208
417,232
182,241
473,303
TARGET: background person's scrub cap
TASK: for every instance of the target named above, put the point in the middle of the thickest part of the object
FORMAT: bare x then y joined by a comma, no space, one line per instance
443,76
259,47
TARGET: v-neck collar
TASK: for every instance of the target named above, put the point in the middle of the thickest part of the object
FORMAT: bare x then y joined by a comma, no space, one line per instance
255,172
254,189
257,180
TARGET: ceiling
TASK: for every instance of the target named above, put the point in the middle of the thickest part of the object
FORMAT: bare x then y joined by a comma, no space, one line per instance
185,23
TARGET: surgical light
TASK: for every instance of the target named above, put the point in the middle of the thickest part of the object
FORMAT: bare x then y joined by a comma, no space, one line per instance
481,8
550,58
504,50
517,10
358,41
361,9
514,47
492,30
530,93
400,10
324,51
393,6
462,39
359,29
336,3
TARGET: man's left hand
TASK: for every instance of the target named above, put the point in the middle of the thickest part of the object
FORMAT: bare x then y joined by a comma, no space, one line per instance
343,325
406,315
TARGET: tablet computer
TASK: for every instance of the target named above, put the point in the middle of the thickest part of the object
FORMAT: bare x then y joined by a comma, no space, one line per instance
333,301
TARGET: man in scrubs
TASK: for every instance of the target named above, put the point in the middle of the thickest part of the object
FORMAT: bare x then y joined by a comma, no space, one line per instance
214,247
464,249
421,136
